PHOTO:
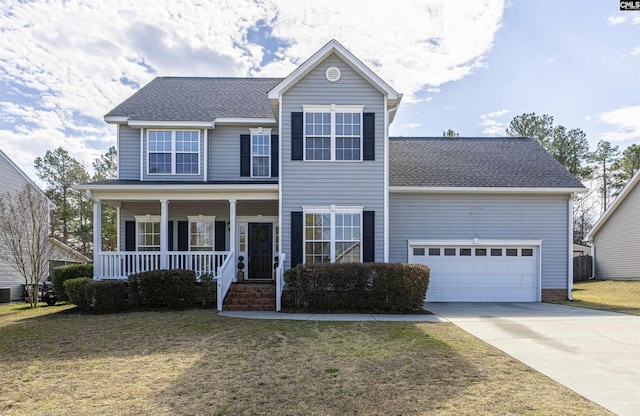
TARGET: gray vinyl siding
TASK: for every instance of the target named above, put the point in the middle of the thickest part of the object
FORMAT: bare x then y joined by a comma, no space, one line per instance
486,217
324,183
224,153
128,153
618,240
11,181
178,211
153,177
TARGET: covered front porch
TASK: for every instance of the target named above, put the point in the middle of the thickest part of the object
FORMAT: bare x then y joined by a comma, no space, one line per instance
230,237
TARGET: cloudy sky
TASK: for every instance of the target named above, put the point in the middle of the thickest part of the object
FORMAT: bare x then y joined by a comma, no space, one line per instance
466,65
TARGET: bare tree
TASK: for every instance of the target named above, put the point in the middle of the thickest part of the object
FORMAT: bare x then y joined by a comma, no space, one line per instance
24,234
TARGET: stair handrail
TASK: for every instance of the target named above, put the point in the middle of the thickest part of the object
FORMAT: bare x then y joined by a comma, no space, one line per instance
224,278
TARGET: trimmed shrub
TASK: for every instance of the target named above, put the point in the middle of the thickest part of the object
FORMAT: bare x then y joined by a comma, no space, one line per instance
106,296
70,271
163,288
363,287
75,290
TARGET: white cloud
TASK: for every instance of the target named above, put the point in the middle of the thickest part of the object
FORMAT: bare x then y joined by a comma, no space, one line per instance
616,19
635,52
411,126
64,64
493,127
624,122
495,114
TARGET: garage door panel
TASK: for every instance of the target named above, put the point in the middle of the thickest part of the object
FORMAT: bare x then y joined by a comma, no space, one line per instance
478,278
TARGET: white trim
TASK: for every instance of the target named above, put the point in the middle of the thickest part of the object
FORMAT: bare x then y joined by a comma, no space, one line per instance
174,152
141,155
205,172
201,218
385,204
116,119
171,124
259,131
147,218
118,151
240,120
570,244
614,205
280,178
480,190
333,46
326,209
326,108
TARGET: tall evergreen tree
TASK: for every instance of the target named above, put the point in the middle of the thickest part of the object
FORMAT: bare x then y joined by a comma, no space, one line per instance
106,167
604,156
624,168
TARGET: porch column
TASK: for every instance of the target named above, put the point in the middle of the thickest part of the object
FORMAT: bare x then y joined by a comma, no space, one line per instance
164,233
232,225
97,237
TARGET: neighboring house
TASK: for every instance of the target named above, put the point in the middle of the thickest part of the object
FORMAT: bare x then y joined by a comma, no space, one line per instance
13,179
615,238
302,169
581,250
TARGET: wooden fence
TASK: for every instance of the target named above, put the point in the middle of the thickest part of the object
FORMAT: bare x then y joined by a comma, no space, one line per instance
582,268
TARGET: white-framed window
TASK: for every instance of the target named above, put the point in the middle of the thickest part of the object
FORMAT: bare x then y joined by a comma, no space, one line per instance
148,233
333,132
173,152
260,153
333,234
201,233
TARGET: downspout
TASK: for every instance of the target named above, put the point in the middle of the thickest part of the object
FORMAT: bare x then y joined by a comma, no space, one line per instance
570,244
385,203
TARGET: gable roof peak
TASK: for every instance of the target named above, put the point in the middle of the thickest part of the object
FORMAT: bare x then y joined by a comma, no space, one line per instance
333,46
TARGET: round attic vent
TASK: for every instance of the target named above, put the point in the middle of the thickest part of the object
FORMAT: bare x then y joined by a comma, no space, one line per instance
333,74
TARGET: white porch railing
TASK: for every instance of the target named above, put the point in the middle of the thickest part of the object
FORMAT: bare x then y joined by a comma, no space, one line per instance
121,264
226,275
280,280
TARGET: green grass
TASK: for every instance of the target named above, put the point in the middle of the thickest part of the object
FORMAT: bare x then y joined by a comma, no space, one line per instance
607,295
198,363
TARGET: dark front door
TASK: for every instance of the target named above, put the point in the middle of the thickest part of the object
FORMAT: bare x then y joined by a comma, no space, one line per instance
260,250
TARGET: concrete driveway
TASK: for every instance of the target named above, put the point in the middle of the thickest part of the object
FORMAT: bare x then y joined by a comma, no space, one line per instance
594,353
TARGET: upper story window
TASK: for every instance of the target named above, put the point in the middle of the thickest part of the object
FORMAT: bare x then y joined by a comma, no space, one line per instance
173,152
333,132
260,153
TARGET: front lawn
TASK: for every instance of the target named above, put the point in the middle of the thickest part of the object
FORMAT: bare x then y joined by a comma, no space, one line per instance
607,295
195,362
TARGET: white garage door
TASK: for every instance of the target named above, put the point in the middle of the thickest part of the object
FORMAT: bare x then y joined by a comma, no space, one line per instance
479,274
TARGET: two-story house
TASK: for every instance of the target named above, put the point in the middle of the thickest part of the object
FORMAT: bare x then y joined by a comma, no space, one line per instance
278,172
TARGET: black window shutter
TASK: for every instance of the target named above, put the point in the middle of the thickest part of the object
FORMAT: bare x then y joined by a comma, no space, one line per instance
130,236
245,155
296,238
170,233
297,133
368,136
221,236
368,238
274,156
183,236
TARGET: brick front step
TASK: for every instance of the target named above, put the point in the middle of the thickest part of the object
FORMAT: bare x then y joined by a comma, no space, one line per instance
250,297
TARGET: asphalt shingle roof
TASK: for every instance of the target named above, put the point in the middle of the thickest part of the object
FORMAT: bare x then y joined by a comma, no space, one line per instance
475,162
199,99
